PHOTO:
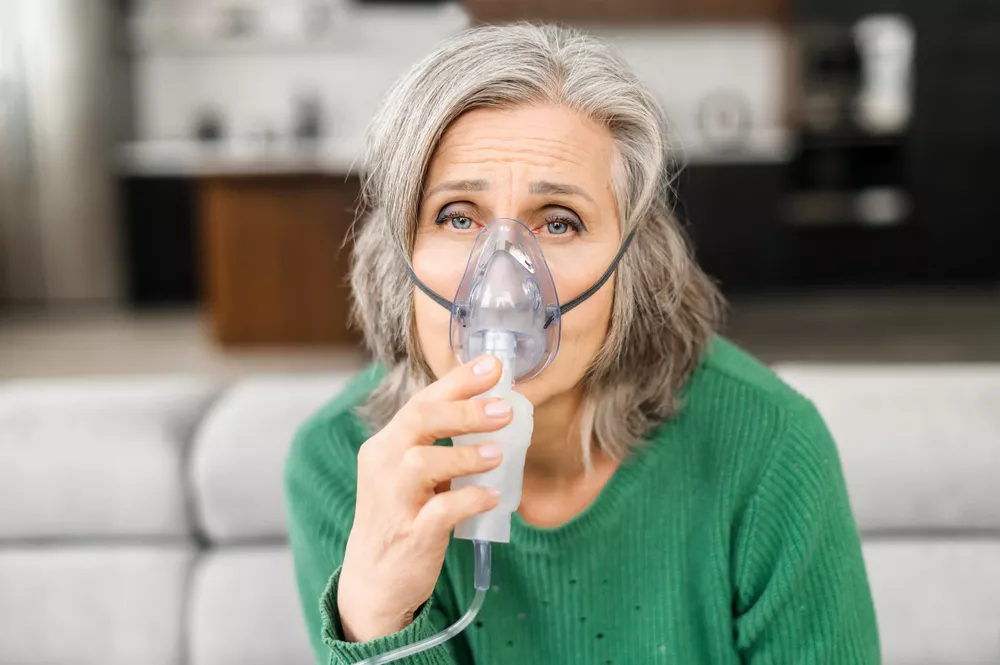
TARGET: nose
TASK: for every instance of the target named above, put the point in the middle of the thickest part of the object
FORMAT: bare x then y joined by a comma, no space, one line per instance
507,182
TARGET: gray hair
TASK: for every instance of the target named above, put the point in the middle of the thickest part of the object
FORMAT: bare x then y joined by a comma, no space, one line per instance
665,308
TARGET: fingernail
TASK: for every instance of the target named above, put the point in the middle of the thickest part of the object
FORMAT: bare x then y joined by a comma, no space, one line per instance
484,366
489,451
493,492
499,409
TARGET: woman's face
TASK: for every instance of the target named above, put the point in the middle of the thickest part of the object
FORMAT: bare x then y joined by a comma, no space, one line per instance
548,167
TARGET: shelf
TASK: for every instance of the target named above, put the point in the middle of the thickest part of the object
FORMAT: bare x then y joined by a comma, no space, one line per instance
340,155
191,47
874,207
372,28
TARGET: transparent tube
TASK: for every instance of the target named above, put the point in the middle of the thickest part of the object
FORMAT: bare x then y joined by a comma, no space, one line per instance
483,562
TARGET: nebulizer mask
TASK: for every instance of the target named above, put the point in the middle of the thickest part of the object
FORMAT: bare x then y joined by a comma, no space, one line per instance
506,305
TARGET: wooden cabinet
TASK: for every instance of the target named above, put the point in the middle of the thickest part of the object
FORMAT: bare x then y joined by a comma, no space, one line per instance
626,12
276,258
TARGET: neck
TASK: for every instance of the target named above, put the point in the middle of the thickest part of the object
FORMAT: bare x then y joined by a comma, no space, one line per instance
557,485
555,451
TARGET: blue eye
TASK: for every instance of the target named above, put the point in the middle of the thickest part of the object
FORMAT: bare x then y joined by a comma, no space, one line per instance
561,226
456,220
557,228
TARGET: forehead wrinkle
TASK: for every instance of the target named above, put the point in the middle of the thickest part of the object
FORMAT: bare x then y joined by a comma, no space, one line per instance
518,144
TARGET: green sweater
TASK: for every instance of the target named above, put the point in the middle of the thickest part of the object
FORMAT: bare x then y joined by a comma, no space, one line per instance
726,537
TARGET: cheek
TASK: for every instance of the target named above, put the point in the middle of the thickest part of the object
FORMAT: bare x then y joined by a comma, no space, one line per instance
436,269
433,323
584,329
439,265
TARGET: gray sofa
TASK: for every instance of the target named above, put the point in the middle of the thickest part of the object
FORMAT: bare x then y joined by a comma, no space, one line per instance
141,519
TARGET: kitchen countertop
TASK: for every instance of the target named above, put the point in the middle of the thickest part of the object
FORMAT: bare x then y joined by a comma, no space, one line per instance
342,156
234,158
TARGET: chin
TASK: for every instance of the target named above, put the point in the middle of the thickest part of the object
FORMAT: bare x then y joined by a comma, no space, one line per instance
535,390
546,387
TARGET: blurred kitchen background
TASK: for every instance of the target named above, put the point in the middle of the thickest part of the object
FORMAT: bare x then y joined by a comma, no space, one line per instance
178,177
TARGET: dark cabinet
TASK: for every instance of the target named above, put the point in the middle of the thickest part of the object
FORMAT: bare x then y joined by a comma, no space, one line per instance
159,231
738,219
731,214
956,140
952,171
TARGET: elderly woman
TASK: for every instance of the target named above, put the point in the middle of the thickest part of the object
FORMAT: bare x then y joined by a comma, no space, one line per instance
680,504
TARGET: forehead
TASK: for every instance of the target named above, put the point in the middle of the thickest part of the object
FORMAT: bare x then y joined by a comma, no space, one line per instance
523,141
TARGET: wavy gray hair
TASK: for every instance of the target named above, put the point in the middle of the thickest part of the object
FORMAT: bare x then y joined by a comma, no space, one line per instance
665,308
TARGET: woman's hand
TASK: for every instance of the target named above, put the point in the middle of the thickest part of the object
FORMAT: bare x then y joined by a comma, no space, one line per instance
405,512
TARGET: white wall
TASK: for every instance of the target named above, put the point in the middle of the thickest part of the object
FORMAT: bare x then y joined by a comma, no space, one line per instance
685,65
367,50
373,47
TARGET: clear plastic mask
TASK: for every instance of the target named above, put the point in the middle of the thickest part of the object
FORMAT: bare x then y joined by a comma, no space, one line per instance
506,303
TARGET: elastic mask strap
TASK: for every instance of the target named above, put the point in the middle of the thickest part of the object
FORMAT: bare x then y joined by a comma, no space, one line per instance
449,305
444,302
604,278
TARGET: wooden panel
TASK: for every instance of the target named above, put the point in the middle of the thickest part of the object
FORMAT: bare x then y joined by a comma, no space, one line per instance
275,261
626,12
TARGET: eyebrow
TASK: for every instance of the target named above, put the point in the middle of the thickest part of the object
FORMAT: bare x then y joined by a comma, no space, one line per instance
536,187
546,187
459,186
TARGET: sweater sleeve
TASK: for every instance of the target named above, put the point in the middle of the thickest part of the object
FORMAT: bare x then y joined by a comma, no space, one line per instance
320,485
802,591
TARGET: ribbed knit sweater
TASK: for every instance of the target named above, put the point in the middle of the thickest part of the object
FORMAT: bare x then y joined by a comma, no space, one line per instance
726,537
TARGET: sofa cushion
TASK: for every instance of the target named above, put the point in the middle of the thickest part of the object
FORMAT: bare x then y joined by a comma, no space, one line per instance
936,600
97,457
920,445
245,609
94,605
240,449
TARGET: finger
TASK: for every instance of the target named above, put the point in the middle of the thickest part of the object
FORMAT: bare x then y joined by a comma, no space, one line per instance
443,512
464,381
423,468
423,423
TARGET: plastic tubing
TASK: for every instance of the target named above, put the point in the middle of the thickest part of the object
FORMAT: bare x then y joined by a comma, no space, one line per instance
483,563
